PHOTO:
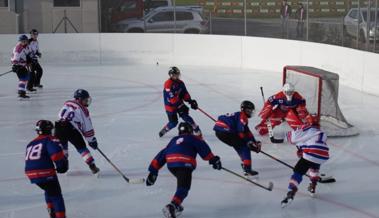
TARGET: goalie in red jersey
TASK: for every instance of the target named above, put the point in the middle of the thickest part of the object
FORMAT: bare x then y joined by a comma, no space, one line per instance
287,105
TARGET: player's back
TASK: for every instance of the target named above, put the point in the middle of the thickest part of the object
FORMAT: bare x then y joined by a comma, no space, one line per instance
313,143
182,151
38,158
230,122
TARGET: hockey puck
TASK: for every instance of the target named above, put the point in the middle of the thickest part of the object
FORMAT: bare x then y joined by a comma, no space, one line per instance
322,174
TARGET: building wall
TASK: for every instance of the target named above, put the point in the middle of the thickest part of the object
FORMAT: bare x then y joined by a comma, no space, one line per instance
41,15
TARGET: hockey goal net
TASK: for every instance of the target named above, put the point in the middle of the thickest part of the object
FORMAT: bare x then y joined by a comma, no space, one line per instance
320,90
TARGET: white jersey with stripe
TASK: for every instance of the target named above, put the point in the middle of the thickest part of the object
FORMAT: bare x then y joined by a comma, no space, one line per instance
19,54
34,48
79,117
312,141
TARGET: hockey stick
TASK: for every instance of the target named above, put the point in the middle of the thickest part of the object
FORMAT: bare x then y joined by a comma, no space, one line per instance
323,179
206,114
131,181
268,123
6,73
269,187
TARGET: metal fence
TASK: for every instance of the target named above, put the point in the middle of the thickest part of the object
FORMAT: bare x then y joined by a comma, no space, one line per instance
349,23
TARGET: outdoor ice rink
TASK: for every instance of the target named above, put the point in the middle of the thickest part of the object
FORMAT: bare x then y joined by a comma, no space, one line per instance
127,113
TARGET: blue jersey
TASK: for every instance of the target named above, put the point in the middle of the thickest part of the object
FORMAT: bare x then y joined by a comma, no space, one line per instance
235,123
174,93
41,154
181,151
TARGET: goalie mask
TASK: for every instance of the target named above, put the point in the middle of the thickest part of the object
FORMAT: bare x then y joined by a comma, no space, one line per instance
288,90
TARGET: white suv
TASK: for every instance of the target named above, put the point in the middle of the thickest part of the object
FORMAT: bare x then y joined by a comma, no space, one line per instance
189,19
351,24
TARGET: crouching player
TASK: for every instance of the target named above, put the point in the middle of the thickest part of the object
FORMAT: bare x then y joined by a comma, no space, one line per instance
180,156
44,157
233,130
286,105
313,151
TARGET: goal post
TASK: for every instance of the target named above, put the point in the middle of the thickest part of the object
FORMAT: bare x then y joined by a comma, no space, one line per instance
320,90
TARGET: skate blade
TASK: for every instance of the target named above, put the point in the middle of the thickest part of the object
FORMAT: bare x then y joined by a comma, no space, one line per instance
286,204
313,195
166,213
254,178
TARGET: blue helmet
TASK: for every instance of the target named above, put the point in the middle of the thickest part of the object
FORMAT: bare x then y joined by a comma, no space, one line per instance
81,94
22,38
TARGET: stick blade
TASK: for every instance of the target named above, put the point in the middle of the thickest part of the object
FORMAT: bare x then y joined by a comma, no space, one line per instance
137,181
327,179
270,186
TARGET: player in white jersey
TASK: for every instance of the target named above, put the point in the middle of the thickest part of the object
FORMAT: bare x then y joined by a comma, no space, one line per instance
74,124
312,151
20,59
36,69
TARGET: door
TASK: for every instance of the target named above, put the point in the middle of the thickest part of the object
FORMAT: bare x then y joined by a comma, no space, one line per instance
161,22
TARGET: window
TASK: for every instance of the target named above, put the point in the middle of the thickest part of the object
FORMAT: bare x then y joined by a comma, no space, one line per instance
66,3
353,14
181,15
3,3
163,16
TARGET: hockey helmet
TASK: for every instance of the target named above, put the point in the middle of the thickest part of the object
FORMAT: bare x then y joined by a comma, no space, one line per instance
248,108
174,71
83,96
33,32
22,38
185,128
288,90
44,127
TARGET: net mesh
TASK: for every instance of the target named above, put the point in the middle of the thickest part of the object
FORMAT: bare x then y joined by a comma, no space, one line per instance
323,102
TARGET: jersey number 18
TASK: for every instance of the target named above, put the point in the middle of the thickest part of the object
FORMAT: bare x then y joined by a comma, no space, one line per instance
34,152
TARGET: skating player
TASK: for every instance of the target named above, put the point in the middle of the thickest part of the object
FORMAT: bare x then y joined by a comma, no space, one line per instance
20,59
286,105
233,130
313,152
180,156
44,157
74,123
174,95
35,68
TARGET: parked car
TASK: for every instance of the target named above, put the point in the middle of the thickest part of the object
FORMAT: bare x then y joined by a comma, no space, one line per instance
353,18
189,19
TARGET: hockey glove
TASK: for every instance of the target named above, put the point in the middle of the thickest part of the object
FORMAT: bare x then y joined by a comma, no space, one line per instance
15,68
39,54
254,146
63,167
216,163
193,104
93,144
151,178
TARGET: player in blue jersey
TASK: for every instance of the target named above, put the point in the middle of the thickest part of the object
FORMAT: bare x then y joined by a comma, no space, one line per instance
174,95
44,157
180,156
233,130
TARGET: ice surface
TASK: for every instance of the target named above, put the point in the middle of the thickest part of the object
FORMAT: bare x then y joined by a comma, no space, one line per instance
127,112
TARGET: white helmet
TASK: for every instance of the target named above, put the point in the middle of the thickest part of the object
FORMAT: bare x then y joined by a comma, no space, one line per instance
288,89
